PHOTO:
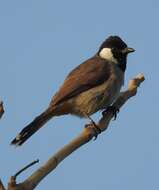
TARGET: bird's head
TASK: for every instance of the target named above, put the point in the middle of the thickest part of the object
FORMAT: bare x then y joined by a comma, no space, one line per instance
114,49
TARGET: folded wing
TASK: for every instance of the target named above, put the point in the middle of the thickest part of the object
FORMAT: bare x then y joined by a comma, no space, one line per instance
89,74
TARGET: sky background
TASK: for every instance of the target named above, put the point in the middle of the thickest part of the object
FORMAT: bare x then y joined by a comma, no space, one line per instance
40,42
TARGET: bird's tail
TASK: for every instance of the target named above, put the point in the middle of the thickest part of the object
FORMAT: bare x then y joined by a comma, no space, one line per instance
34,126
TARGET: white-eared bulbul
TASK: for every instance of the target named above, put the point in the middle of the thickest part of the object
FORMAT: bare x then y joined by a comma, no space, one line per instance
92,86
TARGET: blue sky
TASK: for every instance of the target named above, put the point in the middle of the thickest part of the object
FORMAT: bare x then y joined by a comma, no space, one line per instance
40,42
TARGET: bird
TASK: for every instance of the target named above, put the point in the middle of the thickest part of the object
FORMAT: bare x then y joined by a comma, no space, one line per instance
91,87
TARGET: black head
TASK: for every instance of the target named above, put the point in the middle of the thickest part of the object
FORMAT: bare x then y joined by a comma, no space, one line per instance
116,49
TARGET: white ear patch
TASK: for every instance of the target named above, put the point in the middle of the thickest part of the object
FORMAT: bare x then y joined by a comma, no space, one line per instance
107,54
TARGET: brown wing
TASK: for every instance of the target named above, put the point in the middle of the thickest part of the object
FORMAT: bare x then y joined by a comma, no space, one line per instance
89,74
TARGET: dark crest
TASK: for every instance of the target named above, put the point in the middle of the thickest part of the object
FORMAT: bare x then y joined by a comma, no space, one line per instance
113,42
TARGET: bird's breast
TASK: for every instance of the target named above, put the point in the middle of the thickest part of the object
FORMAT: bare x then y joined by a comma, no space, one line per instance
101,96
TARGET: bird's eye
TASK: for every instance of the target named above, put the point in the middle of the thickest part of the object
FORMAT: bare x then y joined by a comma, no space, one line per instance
114,50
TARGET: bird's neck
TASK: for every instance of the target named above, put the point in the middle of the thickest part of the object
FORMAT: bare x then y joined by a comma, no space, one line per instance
122,65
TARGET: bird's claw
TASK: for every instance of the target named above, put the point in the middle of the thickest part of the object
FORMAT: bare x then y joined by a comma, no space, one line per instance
112,109
96,129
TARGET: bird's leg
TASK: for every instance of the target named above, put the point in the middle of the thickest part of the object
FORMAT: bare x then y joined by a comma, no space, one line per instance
112,109
97,130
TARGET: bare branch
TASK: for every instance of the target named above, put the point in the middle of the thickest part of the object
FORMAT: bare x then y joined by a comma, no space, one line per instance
86,135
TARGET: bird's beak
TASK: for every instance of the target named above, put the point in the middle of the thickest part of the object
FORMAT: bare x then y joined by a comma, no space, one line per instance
127,50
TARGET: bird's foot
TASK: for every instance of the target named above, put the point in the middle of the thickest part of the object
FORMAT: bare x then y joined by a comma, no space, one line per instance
112,109
95,127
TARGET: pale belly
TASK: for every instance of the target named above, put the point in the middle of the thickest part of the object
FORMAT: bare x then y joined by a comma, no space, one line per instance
99,97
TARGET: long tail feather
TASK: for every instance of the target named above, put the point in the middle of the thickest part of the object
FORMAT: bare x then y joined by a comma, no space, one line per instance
30,129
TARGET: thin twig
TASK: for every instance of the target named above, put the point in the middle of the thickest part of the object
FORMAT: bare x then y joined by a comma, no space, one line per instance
1,109
25,168
1,113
